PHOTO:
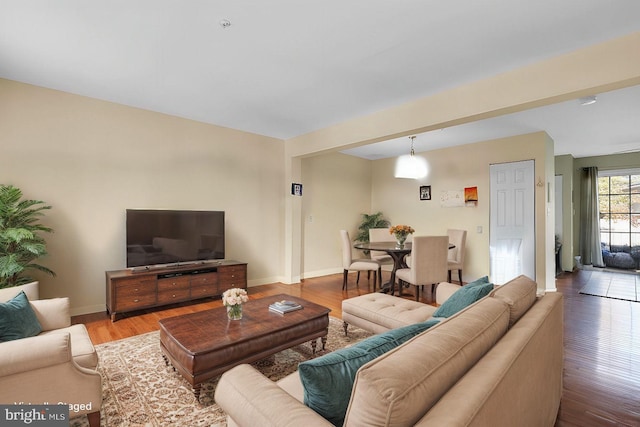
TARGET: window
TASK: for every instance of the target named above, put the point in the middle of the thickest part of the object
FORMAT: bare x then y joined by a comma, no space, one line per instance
619,206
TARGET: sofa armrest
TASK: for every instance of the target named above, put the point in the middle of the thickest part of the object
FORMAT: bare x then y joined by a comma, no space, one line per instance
251,399
29,354
52,313
41,369
444,290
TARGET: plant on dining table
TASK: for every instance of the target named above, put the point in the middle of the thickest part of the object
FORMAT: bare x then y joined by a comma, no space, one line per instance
401,232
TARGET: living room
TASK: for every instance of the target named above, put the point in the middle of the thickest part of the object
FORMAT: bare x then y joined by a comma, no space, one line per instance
92,159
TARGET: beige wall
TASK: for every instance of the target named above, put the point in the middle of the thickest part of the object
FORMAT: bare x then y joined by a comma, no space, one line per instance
91,160
454,169
594,69
337,190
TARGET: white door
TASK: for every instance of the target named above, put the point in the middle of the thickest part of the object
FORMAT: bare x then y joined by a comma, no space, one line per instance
512,228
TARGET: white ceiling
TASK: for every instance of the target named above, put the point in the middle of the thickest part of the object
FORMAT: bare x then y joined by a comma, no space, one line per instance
287,67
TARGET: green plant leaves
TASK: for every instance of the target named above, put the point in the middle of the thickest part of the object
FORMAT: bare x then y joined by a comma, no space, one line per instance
20,241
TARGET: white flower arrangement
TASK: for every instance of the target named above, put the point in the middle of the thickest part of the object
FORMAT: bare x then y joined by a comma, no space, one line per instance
234,296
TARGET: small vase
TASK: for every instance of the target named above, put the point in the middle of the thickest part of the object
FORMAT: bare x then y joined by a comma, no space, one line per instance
234,312
400,239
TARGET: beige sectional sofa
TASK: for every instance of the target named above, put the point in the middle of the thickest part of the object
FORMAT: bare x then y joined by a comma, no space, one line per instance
498,362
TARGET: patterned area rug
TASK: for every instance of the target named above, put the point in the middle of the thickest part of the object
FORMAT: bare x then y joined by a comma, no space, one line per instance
138,389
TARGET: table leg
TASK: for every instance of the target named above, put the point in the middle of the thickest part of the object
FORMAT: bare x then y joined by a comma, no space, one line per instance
398,262
196,391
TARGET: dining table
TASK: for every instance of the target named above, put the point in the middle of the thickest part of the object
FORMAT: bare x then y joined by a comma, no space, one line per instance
397,252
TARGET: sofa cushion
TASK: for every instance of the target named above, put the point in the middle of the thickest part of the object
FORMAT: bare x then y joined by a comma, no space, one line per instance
328,380
519,293
400,386
462,298
17,319
52,313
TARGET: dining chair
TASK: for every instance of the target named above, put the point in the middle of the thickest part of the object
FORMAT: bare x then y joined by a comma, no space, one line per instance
428,263
455,259
385,260
359,264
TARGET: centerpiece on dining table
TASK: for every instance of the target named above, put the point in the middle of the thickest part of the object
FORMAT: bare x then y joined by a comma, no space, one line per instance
233,299
401,232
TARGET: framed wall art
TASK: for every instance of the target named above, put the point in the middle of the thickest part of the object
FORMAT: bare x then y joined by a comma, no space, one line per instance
296,189
425,192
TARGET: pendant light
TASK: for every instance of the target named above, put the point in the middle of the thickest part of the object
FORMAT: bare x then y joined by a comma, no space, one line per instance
411,166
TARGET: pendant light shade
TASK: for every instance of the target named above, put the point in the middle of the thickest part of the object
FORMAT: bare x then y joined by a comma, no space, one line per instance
411,166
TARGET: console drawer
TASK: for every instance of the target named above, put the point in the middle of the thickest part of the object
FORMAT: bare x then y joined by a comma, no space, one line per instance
171,284
131,294
173,295
234,276
203,291
206,279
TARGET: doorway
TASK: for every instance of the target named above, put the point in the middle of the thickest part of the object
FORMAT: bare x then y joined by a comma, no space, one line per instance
512,223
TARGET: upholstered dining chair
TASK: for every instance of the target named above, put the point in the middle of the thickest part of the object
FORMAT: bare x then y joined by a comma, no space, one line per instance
456,255
360,264
385,260
428,263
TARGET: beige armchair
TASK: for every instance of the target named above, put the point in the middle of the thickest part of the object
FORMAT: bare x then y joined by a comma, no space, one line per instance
56,366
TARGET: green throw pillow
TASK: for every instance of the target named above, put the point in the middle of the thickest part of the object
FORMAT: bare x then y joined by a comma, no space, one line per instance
462,298
328,380
480,281
17,319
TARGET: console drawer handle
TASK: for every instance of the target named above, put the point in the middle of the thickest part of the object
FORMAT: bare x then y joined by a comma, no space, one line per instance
136,300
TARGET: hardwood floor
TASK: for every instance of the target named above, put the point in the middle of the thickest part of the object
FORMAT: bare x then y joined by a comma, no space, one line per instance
602,342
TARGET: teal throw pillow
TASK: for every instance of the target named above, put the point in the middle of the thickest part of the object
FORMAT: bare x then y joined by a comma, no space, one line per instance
17,319
328,380
477,282
462,298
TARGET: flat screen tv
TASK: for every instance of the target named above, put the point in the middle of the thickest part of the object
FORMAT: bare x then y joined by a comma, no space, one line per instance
173,237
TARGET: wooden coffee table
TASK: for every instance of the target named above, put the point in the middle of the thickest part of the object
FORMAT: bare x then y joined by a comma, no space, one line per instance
203,345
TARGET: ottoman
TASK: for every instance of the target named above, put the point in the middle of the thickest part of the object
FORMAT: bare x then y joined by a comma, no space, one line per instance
379,312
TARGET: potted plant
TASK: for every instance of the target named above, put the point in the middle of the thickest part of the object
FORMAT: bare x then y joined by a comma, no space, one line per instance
375,220
21,242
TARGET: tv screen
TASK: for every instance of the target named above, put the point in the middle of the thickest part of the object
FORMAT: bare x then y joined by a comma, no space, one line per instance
171,236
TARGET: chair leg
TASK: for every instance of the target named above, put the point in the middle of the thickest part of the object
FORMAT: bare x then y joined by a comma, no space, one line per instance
449,276
460,276
344,280
417,293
